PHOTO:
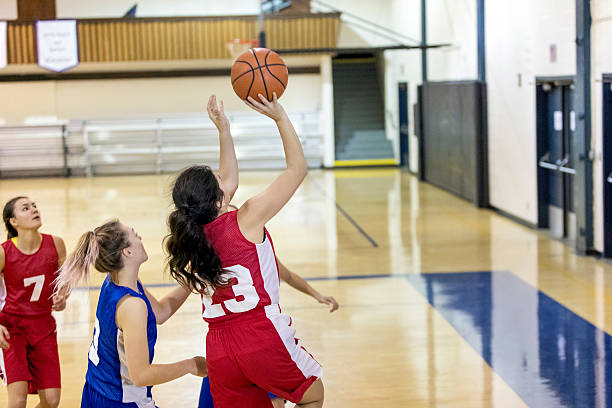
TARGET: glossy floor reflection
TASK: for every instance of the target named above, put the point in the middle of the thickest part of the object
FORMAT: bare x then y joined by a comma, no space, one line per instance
357,234
549,355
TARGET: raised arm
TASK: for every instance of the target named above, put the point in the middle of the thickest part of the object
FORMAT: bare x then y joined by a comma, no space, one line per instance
132,320
297,282
258,210
228,164
169,304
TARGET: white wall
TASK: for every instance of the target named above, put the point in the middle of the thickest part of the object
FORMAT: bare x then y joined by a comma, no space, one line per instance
601,63
518,35
154,8
452,22
403,66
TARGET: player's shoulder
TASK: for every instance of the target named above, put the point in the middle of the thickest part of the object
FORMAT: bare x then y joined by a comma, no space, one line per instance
59,242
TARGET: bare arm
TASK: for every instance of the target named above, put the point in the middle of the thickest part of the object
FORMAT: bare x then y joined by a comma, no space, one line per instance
59,300
228,164
258,210
297,282
169,304
4,333
132,320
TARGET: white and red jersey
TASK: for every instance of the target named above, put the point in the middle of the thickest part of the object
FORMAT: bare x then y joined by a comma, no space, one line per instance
252,272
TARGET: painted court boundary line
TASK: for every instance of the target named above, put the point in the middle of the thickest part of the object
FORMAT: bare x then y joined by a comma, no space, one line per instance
315,278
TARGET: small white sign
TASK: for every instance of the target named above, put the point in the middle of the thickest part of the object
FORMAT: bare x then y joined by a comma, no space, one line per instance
573,121
558,116
2,44
57,44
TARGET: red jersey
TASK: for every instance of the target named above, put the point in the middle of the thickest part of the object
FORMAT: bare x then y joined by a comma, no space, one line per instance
28,279
251,268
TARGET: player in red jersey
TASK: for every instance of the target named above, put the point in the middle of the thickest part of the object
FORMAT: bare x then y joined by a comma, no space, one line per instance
29,260
228,256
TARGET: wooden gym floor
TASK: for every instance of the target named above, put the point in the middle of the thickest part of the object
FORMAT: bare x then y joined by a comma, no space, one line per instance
442,304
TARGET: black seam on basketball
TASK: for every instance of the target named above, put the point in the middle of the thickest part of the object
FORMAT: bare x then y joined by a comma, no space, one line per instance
262,76
244,73
253,70
252,81
275,77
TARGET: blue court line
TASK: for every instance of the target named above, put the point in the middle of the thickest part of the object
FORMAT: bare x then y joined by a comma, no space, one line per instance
352,221
318,278
315,278
547,354
348,217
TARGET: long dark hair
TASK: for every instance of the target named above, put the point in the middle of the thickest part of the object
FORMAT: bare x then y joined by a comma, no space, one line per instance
192,261
7,214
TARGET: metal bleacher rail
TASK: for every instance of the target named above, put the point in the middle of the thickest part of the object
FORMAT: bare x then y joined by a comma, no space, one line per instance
148,145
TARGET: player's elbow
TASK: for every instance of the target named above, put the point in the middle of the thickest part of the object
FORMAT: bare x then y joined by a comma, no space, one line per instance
139,379
300,170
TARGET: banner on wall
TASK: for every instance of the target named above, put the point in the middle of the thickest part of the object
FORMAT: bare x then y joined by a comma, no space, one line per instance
57,44
2,44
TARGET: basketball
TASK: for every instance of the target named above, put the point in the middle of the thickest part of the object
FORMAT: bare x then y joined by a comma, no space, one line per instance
259,71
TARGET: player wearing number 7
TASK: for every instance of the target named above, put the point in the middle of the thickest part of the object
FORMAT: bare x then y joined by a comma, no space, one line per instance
29,360
229,258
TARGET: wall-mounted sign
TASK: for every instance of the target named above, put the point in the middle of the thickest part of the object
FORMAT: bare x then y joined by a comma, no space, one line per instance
57,44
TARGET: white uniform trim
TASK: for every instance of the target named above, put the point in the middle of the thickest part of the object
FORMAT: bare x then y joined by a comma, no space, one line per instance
131,393
303,360
2,293
269,271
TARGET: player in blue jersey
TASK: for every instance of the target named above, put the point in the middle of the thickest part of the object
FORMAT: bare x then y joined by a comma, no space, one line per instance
121,370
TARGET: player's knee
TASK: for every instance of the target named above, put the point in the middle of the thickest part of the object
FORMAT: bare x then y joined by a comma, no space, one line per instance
50,401
18,402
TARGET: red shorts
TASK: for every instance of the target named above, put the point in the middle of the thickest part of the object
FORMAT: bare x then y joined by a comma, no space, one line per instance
254,355
32,355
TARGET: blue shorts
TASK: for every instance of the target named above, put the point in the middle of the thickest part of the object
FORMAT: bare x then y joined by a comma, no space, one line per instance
92,398
206,400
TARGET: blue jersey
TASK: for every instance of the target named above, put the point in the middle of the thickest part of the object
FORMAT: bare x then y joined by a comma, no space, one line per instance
107,372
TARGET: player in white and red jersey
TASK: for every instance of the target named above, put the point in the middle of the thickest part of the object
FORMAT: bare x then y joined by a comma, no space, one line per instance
29,360
228,256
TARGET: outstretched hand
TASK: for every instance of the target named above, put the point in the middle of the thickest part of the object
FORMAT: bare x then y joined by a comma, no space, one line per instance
216,113
273,110
328,300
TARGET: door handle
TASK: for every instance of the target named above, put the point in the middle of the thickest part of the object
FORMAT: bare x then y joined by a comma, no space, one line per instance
610,178
545,164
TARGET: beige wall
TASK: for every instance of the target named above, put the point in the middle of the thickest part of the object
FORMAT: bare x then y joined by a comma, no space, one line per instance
137,97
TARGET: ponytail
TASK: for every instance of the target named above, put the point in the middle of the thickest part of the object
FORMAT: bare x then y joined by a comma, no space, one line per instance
76,267
192,261
101,248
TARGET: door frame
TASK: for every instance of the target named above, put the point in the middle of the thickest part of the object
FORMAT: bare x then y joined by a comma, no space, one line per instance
607,167
542,143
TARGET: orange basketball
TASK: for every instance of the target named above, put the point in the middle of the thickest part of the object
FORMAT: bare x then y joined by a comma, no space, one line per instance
259,71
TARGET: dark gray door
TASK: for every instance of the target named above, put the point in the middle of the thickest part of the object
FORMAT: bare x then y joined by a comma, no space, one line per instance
556,127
